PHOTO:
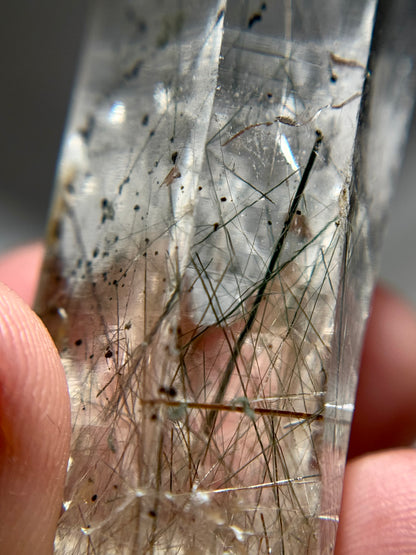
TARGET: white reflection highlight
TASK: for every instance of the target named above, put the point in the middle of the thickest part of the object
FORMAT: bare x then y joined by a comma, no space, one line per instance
348,407
162,97
287,153
90,185
117,113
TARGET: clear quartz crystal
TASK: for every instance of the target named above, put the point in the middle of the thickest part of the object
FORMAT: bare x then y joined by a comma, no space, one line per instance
209,267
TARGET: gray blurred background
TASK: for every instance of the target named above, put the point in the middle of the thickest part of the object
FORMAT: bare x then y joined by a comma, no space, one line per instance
39,47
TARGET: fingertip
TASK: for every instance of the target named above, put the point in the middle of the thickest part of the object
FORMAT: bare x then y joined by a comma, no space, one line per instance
34,430
378,512
20,269
385,414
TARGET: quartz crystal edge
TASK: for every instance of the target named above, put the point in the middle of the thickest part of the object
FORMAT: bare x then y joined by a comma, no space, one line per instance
387,98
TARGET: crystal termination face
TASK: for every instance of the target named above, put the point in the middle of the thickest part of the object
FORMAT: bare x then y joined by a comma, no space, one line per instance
194,281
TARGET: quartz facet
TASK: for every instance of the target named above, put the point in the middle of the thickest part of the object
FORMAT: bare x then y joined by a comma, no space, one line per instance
208,271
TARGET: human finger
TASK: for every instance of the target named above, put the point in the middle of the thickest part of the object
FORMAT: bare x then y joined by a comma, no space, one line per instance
378,512
34,430
20,269
385,414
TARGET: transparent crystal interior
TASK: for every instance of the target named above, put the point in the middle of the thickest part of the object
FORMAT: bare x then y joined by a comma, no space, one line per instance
194,282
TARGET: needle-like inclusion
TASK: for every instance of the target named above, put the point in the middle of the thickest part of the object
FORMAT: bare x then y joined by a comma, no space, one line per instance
209,268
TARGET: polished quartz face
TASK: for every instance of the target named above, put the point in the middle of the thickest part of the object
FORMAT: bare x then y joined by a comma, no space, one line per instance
208,273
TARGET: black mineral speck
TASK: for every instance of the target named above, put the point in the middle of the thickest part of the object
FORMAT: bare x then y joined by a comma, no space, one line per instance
223,199
136,207
94,497
220,15
216,226
108,353
107,210
174,157
254,19
78,342
87,129
55,229
152,513
133,71
145,119
124,182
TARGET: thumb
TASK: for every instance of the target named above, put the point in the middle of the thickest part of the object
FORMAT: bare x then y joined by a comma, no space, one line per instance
34,430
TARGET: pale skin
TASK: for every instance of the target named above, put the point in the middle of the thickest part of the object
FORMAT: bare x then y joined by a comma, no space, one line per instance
379,502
